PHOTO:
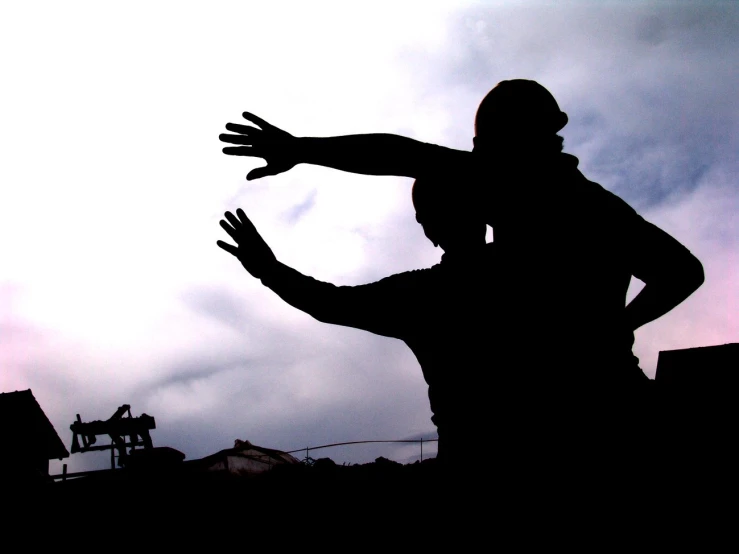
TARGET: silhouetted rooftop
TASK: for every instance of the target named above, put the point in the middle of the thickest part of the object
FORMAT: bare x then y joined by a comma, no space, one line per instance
27,430
714,367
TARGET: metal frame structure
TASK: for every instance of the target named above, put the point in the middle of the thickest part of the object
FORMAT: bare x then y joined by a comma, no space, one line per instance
118,427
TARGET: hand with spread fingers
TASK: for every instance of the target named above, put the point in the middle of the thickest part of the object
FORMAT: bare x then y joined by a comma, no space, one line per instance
273,145
253,253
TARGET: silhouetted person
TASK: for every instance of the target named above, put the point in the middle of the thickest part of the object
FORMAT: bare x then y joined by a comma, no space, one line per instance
569,395
438,312
569,246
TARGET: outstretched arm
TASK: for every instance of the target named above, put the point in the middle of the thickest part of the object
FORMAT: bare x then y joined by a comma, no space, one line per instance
670,274
369,307
371,154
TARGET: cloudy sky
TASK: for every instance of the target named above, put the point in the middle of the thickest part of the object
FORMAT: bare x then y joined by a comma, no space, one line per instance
113,291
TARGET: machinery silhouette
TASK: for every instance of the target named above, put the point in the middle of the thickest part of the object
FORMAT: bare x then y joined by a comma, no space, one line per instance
126,432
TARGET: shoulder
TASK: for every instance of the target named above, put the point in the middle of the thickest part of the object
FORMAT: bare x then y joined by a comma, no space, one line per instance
609,204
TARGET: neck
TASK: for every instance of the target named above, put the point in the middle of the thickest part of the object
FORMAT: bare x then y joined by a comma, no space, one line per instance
519,146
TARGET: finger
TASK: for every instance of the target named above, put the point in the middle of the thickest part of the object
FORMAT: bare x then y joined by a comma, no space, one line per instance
234,221
230,248
242,217
230,230
245,221
241,129
241,151
257,120
260,172
236,139
247,229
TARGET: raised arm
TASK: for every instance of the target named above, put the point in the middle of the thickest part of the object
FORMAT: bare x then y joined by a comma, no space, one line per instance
372,307
370,154
670,274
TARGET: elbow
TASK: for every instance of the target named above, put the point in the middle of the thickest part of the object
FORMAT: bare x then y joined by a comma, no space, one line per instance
321,318
691,277
680,279
695,276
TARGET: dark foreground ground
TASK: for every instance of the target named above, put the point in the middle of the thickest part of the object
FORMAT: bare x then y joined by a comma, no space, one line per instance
381,505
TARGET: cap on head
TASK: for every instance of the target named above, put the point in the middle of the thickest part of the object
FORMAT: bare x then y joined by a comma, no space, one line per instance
519,106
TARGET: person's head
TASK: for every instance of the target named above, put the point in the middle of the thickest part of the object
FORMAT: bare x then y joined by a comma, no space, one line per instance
446,215
516,113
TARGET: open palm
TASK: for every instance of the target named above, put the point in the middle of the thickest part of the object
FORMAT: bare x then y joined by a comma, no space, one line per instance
273,145
251,250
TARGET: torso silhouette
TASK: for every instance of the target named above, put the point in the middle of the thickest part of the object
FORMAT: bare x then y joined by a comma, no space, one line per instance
566,250
571,248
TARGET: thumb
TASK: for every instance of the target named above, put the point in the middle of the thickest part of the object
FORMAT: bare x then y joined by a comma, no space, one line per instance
260,172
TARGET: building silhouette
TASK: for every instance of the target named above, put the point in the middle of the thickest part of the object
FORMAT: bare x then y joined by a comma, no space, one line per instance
29,440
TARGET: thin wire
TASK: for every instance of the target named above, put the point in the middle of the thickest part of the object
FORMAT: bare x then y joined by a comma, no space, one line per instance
356,442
